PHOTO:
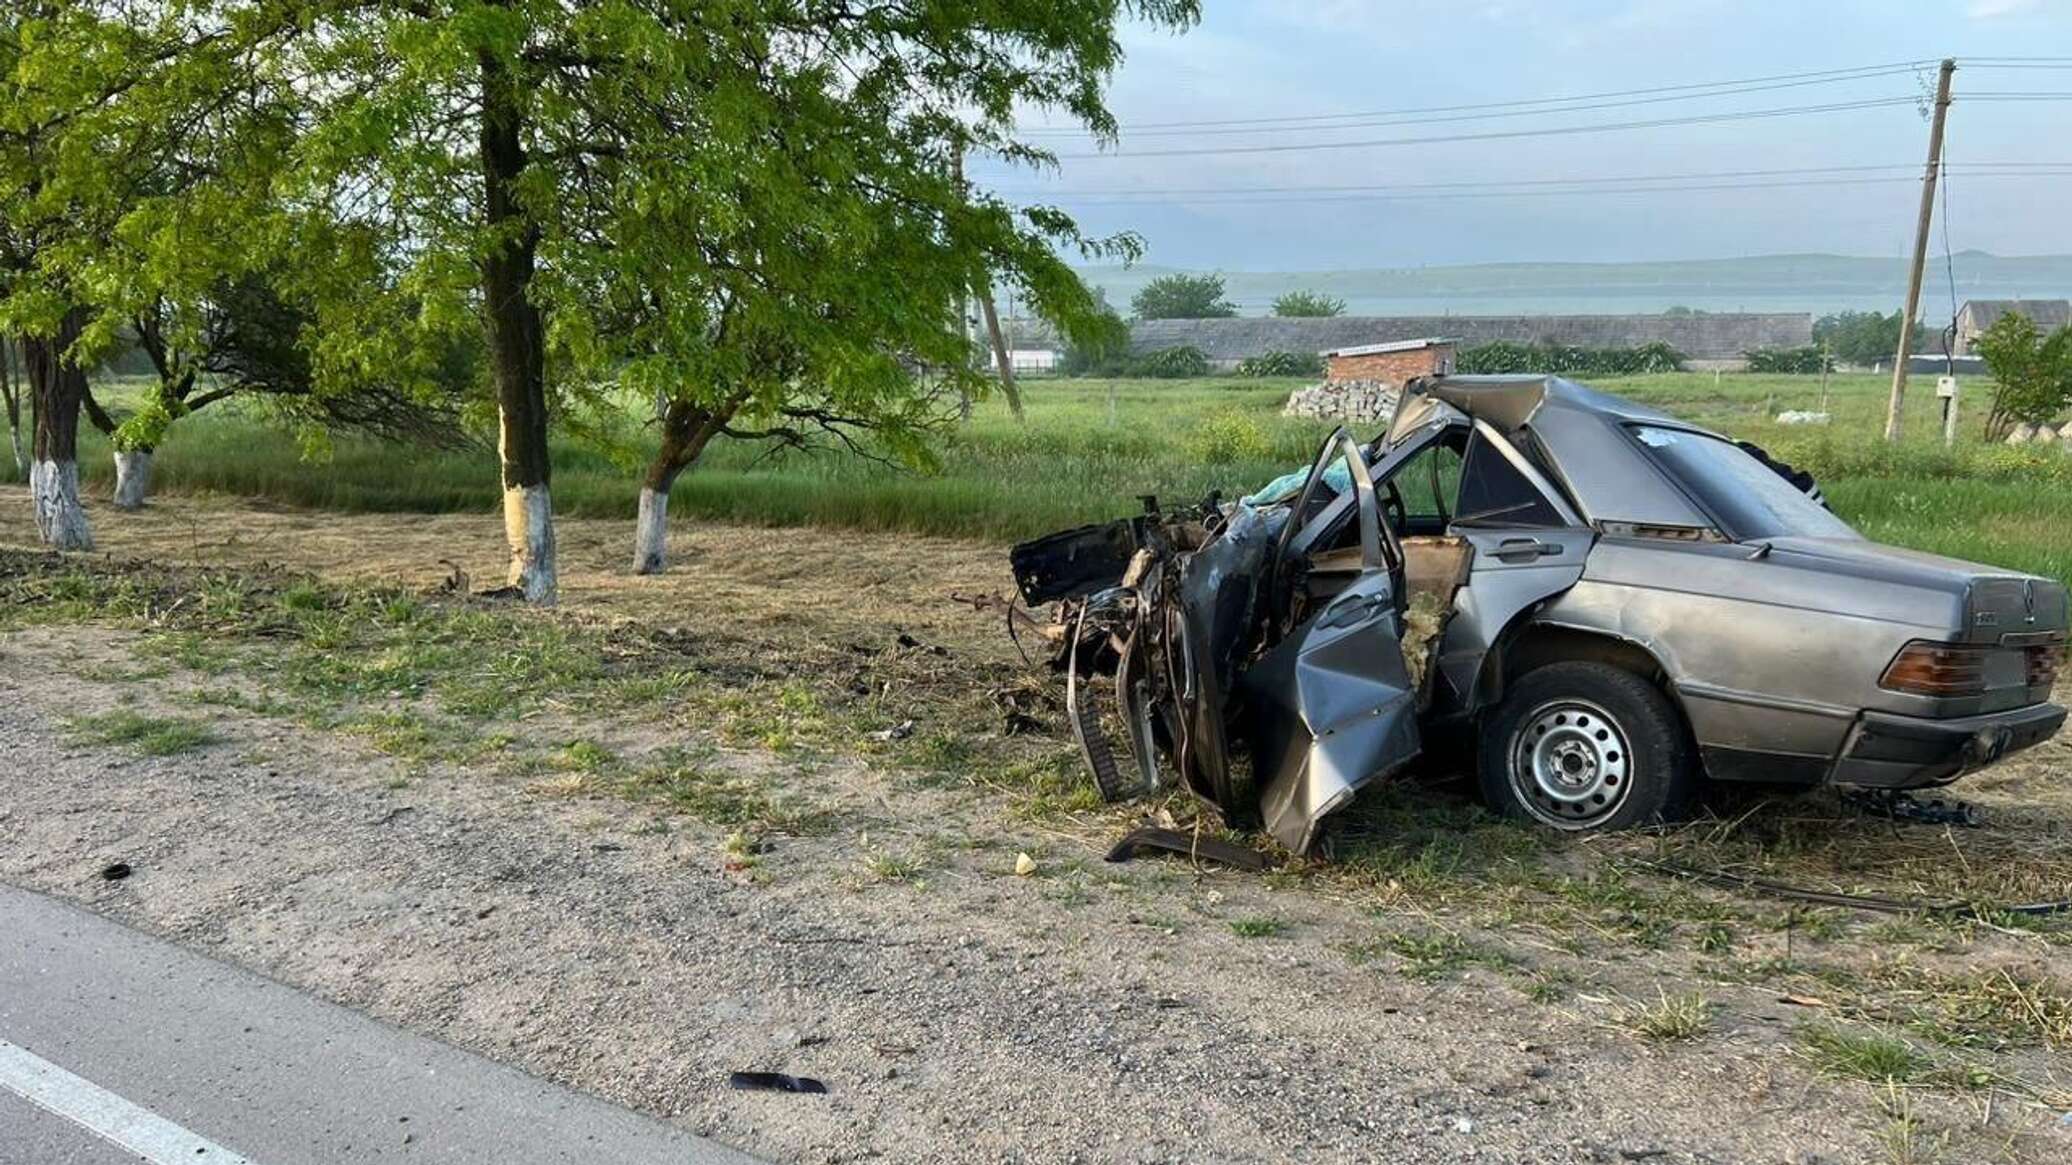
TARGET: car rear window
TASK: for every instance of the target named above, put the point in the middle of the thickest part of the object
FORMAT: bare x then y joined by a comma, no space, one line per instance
1494,493
1748,498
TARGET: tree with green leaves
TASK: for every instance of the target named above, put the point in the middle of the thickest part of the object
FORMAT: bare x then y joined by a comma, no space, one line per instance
812,293
1865,338
1308,304
632,195
2032,373
1182,297
62,65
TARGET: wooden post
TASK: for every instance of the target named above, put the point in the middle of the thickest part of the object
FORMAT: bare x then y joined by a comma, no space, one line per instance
1895,408
1000,355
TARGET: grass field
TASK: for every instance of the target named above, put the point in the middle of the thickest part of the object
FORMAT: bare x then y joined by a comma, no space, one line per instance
1090,447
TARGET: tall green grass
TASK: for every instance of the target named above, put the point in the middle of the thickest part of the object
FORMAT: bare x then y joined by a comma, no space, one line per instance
1090,447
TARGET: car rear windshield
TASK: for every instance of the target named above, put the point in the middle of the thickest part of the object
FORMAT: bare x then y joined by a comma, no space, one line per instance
1748,498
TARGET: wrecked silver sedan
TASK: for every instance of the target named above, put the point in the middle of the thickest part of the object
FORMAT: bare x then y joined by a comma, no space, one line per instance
1612,604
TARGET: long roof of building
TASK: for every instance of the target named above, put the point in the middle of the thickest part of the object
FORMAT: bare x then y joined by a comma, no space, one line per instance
1700,335
2046,314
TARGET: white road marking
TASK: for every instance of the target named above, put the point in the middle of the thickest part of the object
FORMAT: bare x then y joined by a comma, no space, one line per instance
105,1114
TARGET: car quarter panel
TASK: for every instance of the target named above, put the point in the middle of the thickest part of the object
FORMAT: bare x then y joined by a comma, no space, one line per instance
1768,658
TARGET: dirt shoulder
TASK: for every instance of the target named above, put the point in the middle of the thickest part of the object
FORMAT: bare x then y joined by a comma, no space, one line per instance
957,1011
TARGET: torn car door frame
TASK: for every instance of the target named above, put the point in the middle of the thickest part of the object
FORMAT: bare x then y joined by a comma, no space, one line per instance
1212,634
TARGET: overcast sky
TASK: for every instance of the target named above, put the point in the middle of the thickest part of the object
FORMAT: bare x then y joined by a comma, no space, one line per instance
1309,58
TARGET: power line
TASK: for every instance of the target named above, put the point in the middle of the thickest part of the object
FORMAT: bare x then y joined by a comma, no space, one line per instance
1684,188
1368,121
1493,135
1538,181
1822,76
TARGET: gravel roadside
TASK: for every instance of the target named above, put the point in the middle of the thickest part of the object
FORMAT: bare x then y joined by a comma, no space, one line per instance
964,1015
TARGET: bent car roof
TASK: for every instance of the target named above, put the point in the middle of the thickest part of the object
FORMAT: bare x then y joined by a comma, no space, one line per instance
1580,433
1510,402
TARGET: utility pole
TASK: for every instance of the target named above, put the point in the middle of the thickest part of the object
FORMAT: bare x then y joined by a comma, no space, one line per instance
1001,358
1894,409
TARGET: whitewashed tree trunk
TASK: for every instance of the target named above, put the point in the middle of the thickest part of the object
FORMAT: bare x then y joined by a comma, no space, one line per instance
132,478
529,525
59,516
651,535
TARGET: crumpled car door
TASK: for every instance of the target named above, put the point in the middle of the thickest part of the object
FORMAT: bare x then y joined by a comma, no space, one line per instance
1331,706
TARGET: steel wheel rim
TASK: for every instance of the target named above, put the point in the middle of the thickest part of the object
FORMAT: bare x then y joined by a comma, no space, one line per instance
1570,764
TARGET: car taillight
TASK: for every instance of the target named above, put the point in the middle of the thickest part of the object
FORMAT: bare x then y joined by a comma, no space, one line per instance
2043,664
1937,669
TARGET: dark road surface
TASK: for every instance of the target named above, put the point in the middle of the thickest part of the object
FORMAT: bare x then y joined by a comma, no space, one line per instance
119,1047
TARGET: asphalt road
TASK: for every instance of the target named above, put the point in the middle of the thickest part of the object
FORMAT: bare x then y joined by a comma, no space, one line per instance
118,1047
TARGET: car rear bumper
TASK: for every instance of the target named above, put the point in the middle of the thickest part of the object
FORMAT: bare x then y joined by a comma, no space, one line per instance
1907,752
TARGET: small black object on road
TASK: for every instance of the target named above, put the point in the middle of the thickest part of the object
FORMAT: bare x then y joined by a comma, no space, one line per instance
774,1082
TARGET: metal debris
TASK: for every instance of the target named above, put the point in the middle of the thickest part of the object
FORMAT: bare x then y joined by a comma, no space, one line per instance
774,1082
1153,837
1902,806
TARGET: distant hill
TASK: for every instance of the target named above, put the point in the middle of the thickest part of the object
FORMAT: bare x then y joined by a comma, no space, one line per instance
1813,283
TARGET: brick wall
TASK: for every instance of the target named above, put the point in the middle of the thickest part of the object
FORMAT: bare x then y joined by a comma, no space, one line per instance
1394,367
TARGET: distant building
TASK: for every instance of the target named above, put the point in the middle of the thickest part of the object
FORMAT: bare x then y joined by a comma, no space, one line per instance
1393,362
1979,314
1707,339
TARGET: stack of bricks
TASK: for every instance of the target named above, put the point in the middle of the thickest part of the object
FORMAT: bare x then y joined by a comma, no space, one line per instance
1344,400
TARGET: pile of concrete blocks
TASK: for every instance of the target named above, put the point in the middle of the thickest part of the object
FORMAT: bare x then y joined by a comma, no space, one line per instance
1345,400
2045,434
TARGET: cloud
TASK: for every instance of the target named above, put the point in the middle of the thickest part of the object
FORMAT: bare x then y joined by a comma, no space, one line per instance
1994,9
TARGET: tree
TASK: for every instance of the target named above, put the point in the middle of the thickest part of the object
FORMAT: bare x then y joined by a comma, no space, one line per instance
10,397
250,341
60,66
623,197
1864,337
2032,373
1308,304
1182,297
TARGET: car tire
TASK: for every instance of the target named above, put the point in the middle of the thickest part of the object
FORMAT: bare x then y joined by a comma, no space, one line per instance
1580,746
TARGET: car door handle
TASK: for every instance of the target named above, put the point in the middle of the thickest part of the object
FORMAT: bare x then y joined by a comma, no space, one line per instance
1350,611
1521,549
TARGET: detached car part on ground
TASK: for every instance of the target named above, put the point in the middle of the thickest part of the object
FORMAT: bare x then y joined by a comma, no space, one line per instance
1613,605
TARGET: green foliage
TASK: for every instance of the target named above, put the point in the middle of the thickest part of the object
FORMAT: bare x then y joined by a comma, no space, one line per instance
2032,373
150,735
1182,297
1308,303
1864,338
1796,361
1282,364
1103,350
1227,437
1171,363
1505,356
1080,459
754,207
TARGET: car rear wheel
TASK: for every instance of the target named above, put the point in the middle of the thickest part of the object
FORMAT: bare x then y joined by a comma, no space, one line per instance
1586,746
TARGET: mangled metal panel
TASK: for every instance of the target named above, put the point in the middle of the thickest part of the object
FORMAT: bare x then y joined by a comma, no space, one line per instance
1263,720
1332,708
